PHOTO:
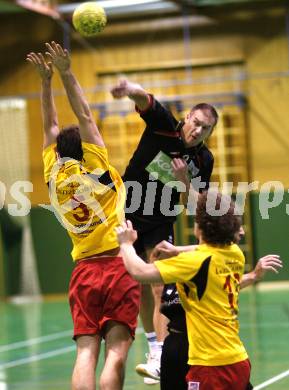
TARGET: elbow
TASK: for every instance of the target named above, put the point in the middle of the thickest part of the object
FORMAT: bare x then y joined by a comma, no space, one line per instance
84,117
137,276
144,277
84,113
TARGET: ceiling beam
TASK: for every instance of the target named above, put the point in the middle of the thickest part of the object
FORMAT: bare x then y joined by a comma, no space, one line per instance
126,8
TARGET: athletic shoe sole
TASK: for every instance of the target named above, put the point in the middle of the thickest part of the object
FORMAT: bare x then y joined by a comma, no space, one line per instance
141,370
150,381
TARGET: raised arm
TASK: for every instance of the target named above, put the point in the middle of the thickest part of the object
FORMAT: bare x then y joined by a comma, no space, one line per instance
61,60
49,115
133,91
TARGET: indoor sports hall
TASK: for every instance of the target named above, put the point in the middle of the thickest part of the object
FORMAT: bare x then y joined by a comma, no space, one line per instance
232,54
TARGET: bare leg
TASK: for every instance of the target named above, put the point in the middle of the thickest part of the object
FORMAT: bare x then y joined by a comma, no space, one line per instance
159,320
117,342
83,377
149,311
147,308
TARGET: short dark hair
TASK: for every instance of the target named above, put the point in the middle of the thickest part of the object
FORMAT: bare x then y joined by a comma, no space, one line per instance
207,108
68,143
217,229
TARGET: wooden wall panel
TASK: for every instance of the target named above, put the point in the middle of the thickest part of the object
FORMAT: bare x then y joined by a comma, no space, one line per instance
268,94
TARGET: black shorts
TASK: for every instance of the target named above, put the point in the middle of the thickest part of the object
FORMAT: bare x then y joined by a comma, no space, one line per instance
151,238
174,362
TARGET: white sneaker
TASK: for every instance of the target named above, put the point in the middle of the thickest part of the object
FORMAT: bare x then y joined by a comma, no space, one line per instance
151,368
150,381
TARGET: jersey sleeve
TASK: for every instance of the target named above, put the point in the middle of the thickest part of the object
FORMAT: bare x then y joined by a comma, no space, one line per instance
181,268
94,156
157,117
49,159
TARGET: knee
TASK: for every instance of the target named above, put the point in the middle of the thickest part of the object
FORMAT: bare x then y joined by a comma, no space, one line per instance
87,357
118,364
113,377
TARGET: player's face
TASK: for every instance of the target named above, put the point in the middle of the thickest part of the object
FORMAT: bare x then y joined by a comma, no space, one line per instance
240,234
197,232
197,127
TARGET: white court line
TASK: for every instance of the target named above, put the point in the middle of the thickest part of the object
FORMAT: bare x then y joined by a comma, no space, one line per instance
35,358
37,340
42,356
272,380
43,339
139,330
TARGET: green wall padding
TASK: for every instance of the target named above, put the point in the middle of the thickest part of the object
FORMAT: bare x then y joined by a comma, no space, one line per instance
52,247
271,236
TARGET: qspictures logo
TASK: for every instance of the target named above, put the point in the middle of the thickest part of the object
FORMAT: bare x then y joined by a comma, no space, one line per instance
79,199
80,195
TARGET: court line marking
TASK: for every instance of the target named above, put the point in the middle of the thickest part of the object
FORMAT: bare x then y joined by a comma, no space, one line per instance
41,356
64,350
43,339
35,358
272,380
36,340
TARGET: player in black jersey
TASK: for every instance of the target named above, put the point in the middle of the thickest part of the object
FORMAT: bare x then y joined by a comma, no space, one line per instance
168,151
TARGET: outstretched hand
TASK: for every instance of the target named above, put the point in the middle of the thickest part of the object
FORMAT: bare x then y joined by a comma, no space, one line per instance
267,263
58,56
124,88
44,68
126,233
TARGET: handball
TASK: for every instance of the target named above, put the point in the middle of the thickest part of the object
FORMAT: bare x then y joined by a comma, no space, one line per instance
89,19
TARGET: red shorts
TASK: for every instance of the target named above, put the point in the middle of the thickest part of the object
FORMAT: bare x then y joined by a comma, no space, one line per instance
101,290
231,377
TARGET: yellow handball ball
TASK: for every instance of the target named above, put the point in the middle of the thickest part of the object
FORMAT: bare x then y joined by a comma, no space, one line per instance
89,19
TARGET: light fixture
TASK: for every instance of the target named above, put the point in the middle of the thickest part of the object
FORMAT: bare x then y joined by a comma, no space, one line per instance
117,7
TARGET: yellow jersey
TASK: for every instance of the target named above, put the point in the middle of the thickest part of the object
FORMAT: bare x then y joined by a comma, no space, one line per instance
87,197
208,282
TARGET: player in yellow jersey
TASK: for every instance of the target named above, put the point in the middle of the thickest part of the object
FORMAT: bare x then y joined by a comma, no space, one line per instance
174,356
208,282
88,199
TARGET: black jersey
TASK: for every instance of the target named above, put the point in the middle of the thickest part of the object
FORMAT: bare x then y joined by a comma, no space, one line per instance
171,307
150,167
